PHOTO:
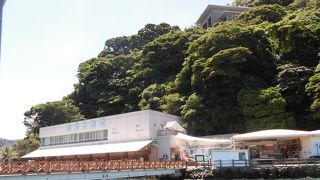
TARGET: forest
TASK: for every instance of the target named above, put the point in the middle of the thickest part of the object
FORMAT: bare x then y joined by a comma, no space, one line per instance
259,71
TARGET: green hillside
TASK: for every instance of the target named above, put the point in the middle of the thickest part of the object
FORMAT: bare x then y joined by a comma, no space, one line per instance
259,71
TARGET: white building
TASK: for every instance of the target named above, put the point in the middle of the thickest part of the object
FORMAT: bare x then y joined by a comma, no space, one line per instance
214,14
124,136
143,135
280,143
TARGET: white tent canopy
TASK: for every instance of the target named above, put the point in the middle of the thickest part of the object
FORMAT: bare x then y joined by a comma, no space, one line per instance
190,141
174,126
316,132
89,149
271,134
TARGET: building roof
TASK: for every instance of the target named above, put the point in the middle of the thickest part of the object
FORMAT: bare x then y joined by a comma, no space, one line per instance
174,126
88,149
316,132
185,140
271,134
101,122
220,136
222,8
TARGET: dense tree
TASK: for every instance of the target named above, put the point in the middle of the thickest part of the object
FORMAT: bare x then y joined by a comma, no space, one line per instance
291,81
26,145
227,58
114,84
250,3
313,90
172,103
280,2
164,56
297,38
264,109
260,14
103,86
126,44
222,37
193,114
219,78
151,97
246,3
227,71
50,113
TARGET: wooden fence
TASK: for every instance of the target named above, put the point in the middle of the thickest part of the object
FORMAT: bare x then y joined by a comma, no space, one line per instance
37,167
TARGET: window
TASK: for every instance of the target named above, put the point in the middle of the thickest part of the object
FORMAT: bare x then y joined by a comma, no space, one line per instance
105,134
242,156
42,140
209,22
205,26
76,138
199,158
138,127
115,131
191,151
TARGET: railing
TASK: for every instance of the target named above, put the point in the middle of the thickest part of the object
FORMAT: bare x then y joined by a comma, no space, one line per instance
297,162
37,167
258,163
163,132
231,163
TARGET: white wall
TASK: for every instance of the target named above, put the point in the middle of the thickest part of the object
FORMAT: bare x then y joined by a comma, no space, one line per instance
305,147
164,146
132,126
216,13
226,157
228,154
122,127
72,128
158,120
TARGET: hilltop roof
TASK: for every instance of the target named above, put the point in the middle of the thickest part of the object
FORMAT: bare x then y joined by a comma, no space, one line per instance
218,7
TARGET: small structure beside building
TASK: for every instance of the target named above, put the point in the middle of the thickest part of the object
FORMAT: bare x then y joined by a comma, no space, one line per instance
280,143
215,13
230,158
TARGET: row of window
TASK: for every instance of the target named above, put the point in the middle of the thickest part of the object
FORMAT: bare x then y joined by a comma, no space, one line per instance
75,138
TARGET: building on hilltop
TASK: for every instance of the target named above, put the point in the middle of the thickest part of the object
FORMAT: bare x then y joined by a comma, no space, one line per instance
215,13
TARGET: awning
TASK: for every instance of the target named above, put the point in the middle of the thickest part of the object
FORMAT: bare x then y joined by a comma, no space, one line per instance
174,126
89,149
190,141
271,134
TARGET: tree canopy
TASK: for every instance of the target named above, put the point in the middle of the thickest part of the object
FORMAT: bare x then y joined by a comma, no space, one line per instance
50,113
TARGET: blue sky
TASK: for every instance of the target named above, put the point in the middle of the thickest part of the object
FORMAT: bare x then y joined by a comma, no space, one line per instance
44,41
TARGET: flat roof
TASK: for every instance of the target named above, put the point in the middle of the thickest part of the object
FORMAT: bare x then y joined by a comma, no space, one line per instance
88,149
148,111
191,141
271,134
218,7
